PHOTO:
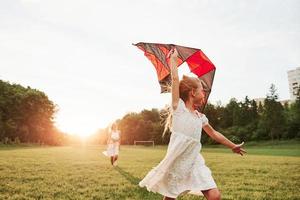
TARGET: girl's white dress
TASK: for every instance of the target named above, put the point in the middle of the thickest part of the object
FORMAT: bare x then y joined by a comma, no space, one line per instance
183,169
113,147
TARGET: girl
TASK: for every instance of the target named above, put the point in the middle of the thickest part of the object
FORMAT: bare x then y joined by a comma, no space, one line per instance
113,144
183,169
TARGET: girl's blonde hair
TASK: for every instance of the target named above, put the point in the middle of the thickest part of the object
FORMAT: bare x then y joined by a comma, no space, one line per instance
114,127
186,85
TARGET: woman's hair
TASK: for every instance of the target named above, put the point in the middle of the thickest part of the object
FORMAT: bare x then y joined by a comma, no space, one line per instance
186,85
113,127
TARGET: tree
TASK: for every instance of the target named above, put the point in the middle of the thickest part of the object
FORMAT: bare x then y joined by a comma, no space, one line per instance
293,119
273,115
26,114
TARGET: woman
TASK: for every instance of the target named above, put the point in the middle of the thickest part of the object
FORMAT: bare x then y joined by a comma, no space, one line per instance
113,144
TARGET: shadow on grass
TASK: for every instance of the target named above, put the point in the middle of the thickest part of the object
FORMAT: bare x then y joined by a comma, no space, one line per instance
140,193
129,177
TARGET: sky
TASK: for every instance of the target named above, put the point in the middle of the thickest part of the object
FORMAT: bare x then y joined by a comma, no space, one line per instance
80,52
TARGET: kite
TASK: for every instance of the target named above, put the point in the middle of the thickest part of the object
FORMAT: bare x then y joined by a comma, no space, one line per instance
198,63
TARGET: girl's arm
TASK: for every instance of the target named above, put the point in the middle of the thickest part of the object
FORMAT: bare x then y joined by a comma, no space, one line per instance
108,138
215,135
175,79
120,138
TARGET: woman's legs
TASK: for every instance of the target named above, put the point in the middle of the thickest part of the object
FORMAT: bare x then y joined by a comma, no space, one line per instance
112,160
212,194
116,151
115,159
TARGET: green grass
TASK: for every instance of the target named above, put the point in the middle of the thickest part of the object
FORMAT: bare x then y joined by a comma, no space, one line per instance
275,148
84,173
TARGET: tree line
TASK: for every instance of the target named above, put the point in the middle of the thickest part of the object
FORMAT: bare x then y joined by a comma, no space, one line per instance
26,116
244,120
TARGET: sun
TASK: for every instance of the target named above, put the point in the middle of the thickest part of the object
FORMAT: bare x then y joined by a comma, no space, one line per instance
75,129
83,135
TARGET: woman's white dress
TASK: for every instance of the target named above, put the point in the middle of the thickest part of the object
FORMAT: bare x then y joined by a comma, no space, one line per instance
183,169
113,146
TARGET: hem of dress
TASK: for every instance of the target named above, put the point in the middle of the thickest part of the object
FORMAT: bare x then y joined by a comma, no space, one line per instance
187,191
213,187
109,155
157,191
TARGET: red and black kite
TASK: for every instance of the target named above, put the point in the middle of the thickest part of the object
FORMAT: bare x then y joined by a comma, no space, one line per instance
197,61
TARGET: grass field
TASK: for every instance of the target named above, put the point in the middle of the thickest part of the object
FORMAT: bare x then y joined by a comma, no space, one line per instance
78,172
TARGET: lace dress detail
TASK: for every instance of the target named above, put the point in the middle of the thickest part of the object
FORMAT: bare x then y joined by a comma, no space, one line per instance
114,145
183,169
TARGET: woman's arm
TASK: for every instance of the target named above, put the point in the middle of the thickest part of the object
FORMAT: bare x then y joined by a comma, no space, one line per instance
175,79
108,138
120,138
215,135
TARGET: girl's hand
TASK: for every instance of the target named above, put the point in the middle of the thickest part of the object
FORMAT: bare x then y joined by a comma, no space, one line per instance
238,149
172,53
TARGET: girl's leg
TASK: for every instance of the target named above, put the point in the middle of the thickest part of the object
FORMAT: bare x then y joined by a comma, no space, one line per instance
116,151
112,160
168,198
212,194
116,158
